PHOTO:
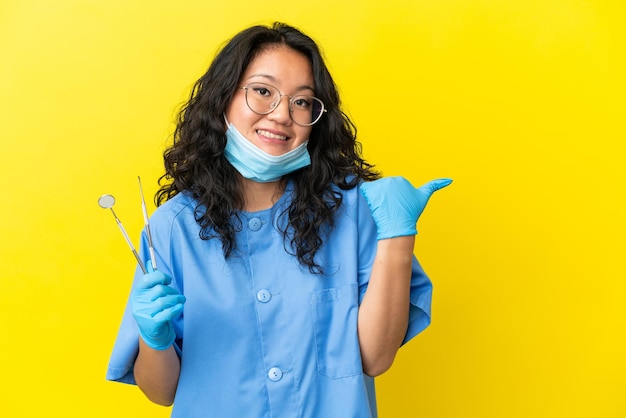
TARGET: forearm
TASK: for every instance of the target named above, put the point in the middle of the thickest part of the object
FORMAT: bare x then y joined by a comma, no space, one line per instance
156,373
384,311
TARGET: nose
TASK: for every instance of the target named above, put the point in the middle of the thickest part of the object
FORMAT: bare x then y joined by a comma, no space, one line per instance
281,113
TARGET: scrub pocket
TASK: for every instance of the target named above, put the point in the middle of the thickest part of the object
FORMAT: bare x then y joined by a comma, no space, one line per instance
335,313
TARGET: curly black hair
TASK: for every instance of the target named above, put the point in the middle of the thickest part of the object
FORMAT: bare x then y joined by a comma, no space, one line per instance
195,162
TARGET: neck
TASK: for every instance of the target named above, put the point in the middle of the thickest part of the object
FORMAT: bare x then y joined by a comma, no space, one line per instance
260,196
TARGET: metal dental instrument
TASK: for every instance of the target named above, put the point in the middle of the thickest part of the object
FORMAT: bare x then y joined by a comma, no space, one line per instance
147,223
106,202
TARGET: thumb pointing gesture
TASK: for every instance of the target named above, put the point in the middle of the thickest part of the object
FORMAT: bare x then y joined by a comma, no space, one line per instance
396,205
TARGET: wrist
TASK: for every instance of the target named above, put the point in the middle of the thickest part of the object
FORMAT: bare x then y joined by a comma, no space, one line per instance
396,247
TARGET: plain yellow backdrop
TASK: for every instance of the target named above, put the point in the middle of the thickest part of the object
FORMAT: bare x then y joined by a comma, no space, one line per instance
521,102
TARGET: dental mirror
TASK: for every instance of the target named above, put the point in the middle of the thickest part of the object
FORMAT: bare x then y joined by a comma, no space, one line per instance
107,201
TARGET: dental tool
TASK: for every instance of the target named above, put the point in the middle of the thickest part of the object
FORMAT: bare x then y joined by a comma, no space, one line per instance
106,202
147,223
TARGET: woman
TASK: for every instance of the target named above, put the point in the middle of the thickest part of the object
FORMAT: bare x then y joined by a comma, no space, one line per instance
286,278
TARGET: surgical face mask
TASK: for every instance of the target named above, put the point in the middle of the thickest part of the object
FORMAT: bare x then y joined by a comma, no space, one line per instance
255,164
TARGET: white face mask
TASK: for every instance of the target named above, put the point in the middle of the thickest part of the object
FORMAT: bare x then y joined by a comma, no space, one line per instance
255,164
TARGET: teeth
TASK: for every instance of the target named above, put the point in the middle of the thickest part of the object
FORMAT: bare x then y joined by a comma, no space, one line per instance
271,135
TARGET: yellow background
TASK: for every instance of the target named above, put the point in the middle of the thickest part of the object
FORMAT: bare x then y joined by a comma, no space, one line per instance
521,102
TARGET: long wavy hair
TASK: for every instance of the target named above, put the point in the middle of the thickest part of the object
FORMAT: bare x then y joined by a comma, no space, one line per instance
195,162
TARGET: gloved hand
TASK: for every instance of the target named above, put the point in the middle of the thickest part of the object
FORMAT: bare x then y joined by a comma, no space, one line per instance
154,306
396,205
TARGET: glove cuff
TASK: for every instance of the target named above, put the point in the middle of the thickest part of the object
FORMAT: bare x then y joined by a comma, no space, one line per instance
396,233
160,343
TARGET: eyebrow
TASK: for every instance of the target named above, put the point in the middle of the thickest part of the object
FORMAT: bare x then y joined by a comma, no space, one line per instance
275,80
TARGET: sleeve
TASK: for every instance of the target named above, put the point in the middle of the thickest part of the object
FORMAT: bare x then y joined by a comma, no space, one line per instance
124,351
126,346
421,286
420,298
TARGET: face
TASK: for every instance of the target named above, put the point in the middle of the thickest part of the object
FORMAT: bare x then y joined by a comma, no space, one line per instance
290,72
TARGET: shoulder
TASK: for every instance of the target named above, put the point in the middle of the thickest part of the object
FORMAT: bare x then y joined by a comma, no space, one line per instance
180,207
353,204
351,196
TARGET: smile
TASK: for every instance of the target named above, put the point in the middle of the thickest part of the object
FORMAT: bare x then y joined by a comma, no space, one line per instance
270,135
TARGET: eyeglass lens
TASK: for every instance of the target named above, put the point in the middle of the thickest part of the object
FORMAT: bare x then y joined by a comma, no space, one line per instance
263,99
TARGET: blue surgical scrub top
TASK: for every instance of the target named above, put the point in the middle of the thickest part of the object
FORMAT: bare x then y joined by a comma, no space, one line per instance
260,336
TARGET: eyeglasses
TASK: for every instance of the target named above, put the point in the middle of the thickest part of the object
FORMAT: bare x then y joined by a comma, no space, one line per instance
264,99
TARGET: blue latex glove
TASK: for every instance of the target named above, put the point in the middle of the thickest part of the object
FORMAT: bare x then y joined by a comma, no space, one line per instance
396,205
154,306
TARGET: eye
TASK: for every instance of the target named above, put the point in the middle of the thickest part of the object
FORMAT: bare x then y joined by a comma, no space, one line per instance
261,91
302,102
